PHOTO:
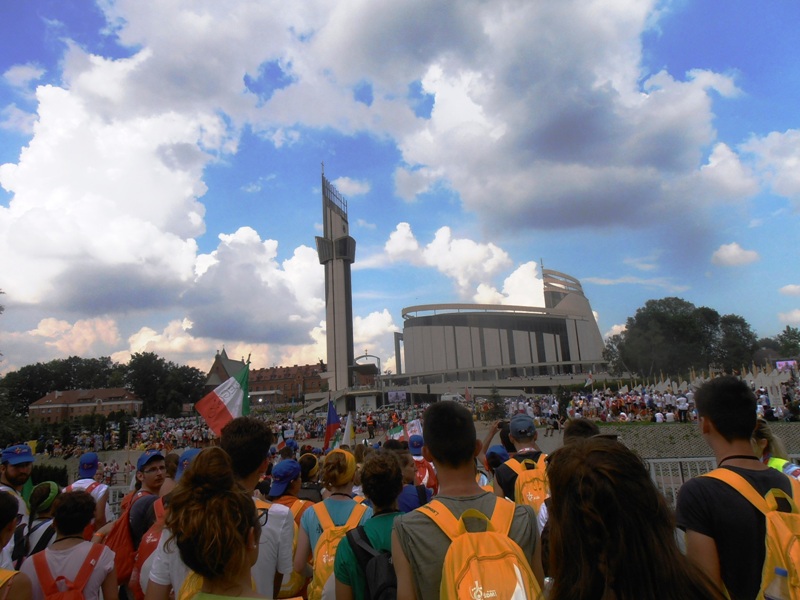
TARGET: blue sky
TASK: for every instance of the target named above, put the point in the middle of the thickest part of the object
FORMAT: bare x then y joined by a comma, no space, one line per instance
160,166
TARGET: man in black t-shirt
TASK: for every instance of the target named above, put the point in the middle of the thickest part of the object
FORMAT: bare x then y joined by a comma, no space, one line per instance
725,534
522,433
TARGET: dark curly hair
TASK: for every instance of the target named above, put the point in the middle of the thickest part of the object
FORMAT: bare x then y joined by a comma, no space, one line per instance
382,478
72,512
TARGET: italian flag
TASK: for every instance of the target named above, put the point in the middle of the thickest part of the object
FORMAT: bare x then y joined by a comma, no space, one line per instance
228,401
396,433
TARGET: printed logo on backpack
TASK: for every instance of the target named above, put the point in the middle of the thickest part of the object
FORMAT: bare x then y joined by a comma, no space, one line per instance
531,487
325,549
783,528
482,565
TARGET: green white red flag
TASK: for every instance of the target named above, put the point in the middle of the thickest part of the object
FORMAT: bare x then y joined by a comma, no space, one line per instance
229,400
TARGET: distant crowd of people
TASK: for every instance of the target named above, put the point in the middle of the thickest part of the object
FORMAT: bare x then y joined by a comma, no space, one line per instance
437,515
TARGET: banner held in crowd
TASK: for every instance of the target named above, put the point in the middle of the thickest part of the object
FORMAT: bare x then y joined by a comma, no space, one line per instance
229,400
332,426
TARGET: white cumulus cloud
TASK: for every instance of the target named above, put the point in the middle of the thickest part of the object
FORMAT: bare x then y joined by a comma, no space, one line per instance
733,255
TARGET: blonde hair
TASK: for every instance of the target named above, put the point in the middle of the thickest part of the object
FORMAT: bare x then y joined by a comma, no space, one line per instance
775,446
210,517
338,469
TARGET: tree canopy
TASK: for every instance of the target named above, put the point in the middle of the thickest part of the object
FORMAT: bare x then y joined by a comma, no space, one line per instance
673,336
161,385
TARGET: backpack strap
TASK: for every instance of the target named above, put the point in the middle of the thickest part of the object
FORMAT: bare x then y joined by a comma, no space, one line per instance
45,539
92,487
355,516
158,508
503,515
741,485
43,573
441,515
324,516
297,510
542,462
20,548
87,568
362,549
514,465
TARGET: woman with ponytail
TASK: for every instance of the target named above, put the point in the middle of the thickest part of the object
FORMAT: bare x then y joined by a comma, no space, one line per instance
215,527
41,530
337,474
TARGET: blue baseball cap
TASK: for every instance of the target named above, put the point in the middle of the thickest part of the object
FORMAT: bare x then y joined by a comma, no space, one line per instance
185,460
499,451
146,457
17,455
284,473
87,467
415,444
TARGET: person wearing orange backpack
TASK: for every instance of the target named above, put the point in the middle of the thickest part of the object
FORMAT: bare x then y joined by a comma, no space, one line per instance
726,533
420,544
71,562
521,433
323,528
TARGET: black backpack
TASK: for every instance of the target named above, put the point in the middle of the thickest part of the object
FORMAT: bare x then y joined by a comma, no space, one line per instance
377,566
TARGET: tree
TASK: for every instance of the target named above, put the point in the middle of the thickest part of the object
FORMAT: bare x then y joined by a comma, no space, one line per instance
738,343
612,357
669,335
672,336
789,340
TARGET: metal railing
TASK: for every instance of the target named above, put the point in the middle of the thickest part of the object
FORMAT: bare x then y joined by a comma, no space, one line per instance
669,474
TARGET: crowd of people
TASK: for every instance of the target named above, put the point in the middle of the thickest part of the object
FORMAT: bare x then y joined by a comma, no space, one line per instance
441,514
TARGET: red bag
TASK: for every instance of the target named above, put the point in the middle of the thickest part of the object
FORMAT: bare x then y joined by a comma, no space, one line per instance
147,546
120,540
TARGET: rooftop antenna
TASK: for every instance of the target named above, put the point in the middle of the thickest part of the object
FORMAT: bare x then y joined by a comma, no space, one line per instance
323,167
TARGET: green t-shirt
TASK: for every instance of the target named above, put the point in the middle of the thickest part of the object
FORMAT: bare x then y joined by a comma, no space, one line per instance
346,569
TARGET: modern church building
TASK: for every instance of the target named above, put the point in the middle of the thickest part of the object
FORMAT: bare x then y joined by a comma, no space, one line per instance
449,344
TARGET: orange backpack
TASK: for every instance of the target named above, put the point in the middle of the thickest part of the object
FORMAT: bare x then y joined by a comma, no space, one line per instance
483,564
147,546
783,528
120,540
74,589
325,550
531,487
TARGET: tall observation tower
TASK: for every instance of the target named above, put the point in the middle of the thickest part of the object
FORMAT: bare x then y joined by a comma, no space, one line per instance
337,251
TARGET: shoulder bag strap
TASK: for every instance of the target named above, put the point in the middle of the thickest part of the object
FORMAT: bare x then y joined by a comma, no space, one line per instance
92,487
158,508
45,539
741,485
514,465
362,549
43,573
355,516
503,515
87,568
324,516
441,515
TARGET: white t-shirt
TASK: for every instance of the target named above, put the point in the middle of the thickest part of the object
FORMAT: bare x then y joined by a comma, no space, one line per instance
67,563
5,554
274,554
97,493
